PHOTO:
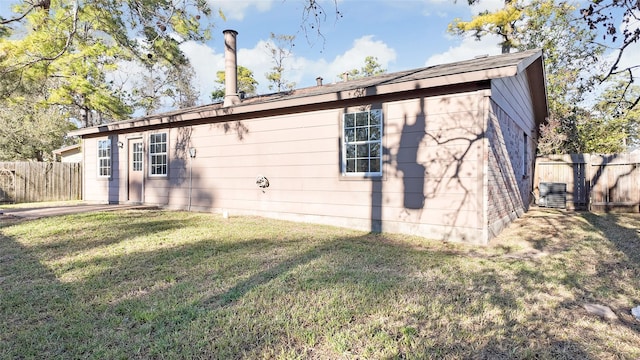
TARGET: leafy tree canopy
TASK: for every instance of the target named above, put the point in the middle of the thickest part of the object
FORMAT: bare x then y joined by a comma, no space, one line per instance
31,132
371,67
570,47
246,83
79,42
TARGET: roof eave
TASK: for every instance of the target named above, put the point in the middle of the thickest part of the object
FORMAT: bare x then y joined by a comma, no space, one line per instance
222,113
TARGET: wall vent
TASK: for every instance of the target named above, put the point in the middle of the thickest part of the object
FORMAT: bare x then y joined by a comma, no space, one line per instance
553,195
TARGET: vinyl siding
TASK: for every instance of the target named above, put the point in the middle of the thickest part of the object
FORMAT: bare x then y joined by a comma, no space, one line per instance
432,158
511,116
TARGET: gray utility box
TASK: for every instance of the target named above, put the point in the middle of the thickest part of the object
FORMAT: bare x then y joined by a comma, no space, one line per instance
553,195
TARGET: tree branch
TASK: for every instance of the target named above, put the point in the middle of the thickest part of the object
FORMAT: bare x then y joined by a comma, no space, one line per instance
18,18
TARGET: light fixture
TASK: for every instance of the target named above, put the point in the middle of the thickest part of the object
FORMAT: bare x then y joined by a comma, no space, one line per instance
192,152
120,144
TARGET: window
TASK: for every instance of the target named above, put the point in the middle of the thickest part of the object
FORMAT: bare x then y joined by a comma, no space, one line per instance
158,154
137,156
362,143
104,158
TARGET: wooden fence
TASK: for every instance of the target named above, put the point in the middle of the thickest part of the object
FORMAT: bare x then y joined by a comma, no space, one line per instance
33,181
593,182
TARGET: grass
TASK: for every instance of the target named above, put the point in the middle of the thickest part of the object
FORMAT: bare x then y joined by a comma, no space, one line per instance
173,285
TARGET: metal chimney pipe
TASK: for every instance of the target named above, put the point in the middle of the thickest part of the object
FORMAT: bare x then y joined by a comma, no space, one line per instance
230,69
345,76
319,81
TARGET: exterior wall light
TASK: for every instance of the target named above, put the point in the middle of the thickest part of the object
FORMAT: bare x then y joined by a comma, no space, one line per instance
262,181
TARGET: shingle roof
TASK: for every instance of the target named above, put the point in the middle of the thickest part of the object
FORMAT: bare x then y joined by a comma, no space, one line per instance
455,68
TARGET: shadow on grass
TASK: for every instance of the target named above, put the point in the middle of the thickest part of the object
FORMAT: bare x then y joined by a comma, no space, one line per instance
34,307
301,292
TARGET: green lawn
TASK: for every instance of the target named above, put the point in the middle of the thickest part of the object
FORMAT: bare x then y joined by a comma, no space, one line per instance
163,284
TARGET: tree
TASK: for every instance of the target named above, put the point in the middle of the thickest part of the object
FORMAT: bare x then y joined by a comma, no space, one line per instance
314,15
78,42
165,85
619,114
246,83
30,132
501,22
371,67
568,47
610,127
608,16
280,47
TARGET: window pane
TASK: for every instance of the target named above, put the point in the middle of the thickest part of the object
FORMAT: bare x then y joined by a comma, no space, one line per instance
374,132
375,117
351,166
363,150
362,119
362,134
349,120
349,135
363,165
374,150
374,165
351,151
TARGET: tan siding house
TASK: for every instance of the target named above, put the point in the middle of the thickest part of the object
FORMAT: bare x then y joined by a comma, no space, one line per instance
443,152
68,154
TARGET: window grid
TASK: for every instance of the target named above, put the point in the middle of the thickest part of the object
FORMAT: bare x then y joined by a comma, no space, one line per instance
104,158
158,154
362,143
137,156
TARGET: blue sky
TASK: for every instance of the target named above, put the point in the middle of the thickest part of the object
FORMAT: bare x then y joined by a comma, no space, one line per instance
402,34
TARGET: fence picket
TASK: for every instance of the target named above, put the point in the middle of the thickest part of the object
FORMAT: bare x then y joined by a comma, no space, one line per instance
594,182
33,182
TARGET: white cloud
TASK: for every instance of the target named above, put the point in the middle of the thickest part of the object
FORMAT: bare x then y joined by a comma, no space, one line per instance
206,62
354,57
235,9
303,71
467,49
258,60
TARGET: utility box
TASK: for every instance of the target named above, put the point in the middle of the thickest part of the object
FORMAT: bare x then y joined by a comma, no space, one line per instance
553,195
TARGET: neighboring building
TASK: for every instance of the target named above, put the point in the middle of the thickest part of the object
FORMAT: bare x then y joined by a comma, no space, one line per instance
69,154
444,152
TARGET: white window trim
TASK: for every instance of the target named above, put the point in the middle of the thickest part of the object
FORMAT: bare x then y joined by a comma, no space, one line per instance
344,143
165,153
108,157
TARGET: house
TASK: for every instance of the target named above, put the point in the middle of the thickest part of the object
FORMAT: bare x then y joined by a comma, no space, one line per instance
444,152
69,154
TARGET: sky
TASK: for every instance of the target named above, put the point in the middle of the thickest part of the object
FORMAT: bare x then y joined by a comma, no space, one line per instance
401,34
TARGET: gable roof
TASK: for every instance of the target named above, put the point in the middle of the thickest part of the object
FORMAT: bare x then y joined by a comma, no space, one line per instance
476,70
